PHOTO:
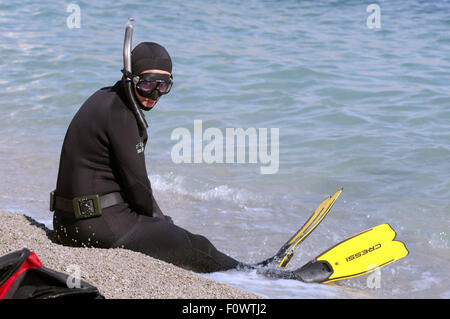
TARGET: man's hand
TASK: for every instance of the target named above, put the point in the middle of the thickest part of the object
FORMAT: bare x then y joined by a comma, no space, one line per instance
169,219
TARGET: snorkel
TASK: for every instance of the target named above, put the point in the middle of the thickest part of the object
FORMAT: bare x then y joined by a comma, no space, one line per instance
127,75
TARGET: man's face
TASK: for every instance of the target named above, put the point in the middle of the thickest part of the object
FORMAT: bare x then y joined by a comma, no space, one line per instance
147,102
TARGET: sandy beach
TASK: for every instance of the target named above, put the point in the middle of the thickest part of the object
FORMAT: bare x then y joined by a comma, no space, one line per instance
117,273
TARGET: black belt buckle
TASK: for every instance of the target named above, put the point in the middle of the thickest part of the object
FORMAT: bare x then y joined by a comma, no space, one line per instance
87,206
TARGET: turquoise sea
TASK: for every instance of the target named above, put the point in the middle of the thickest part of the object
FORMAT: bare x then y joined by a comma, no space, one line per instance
366,109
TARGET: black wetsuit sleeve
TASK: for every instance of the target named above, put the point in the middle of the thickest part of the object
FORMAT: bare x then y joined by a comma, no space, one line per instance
127,153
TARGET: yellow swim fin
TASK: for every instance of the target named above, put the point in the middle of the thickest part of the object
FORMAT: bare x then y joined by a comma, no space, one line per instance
356,256
306,229
286,252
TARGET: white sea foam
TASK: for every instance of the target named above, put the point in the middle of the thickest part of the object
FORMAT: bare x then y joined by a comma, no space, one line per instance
177,185
279,288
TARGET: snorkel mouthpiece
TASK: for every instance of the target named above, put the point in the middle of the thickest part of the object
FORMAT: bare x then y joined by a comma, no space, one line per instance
154,95
127,74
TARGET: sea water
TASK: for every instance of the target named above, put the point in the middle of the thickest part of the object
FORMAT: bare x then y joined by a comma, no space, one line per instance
358,91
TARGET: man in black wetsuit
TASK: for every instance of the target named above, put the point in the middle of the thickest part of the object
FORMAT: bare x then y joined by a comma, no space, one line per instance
103,196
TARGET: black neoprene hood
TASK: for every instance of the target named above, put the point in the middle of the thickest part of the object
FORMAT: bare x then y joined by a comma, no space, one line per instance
150,55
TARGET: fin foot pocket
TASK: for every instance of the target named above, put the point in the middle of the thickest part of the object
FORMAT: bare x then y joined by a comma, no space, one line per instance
314,271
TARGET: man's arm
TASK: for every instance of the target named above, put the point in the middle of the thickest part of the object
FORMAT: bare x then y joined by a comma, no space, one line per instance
128,155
